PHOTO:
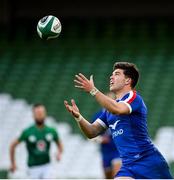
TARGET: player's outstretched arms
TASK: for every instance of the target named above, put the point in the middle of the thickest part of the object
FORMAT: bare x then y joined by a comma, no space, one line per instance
90,130
12,155
108,103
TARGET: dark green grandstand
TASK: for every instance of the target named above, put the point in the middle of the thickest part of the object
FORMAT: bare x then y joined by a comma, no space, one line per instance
43,71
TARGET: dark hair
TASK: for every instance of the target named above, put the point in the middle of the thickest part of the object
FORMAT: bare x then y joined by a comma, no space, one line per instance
130,70
37,105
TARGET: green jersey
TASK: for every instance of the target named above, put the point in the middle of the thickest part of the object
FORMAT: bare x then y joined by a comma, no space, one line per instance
38,142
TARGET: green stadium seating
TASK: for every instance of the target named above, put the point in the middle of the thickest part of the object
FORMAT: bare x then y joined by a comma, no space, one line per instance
44,71
40,71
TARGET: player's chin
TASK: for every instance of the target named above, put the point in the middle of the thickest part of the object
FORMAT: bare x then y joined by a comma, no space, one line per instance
111,88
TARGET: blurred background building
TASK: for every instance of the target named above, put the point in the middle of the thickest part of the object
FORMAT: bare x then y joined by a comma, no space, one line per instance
94,35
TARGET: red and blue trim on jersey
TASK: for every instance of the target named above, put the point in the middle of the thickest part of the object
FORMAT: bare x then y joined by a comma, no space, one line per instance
131,96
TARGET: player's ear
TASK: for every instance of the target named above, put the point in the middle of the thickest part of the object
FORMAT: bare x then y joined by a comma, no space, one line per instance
128,81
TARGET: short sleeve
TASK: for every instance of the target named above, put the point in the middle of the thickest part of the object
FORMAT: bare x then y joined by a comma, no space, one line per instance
133,101
136,104
23,136
97,115
102,119
55,135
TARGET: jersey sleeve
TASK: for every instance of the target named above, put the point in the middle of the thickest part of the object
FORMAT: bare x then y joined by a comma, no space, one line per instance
133,101
55,135
102,119
23,136
97,115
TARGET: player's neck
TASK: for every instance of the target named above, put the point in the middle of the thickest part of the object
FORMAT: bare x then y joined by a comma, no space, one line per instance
40,126
120,94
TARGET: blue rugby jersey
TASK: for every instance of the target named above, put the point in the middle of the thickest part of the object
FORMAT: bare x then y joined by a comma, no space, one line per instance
129,132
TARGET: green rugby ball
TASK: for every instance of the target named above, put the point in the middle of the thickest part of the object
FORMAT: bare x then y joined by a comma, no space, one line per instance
49,27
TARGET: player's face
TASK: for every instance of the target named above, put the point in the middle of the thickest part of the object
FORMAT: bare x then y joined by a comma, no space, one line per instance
117,80
39,114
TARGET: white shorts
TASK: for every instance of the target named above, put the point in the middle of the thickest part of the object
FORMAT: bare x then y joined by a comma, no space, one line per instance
40,172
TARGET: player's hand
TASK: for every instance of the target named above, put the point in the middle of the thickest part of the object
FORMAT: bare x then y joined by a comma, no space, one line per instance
59,156
82,82
73,109
13,168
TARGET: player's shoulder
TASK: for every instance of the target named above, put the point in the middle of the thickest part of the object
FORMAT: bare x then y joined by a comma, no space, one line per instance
28,130
132,96
50,128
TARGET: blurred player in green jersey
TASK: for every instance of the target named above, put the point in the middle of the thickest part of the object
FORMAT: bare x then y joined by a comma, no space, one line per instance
38,138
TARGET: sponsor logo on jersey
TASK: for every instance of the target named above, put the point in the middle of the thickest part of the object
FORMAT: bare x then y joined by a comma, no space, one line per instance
41,145
49,137
113,126
32,139
137,156
117,133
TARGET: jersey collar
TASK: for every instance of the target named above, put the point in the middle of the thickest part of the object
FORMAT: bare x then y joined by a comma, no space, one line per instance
127,96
